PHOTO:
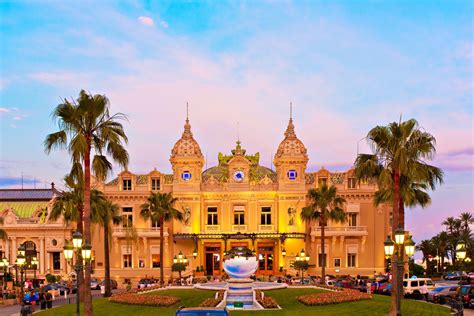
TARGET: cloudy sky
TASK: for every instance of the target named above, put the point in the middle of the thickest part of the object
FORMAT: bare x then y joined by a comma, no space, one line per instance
346,66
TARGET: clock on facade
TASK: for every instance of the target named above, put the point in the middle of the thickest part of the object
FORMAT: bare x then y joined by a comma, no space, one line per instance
239,176
186,175
292,174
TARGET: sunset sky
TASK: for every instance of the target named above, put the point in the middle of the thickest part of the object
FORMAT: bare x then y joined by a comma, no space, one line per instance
346,66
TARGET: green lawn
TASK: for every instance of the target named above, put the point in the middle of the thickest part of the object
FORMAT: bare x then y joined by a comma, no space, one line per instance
379,305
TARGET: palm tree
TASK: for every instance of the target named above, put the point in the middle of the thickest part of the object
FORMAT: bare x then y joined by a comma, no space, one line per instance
324,205
108,213
467,220
86,128
398,165
159,208
440,242
427,249
70,204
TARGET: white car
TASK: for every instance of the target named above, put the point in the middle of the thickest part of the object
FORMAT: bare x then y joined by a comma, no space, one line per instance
413,286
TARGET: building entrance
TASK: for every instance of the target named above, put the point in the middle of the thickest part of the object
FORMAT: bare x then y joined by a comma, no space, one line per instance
265,259
213,260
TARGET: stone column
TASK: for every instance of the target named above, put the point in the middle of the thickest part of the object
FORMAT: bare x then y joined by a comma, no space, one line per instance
14,250
7,248
41,256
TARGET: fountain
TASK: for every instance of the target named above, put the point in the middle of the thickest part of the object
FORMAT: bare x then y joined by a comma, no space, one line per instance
240,265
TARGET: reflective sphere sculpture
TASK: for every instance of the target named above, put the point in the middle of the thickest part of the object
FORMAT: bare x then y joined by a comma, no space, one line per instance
240,263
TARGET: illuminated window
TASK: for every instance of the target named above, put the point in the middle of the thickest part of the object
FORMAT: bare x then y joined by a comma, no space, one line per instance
127,260
322,181
127,184
212,216
155,261
127,217
292,174
155,184
266,216
351,183
186,175
239,217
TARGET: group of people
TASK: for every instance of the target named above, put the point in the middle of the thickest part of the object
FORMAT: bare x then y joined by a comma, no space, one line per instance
38,297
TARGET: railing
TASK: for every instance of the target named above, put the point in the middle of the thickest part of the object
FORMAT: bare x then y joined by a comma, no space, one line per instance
266,228
457,307
212,228
340,230
239,228
140,231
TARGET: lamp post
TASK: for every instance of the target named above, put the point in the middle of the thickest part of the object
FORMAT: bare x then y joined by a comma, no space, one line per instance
21,263
399,246
81,250
34,265
4,263
304,259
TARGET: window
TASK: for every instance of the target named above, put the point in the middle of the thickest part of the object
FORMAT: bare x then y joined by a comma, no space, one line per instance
351,183
337,262
292,174
352,218
320,260
212,216
56,261
155,224
266,216
322,181
127,217
155,260
239,217
155,184
186,175
127,261
414,283
351,260
127,184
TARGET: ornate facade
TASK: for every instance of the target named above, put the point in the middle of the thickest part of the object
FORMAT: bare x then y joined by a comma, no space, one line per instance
242,203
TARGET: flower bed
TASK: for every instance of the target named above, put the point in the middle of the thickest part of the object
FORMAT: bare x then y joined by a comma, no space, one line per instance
144,299
346,295
265,301
212,301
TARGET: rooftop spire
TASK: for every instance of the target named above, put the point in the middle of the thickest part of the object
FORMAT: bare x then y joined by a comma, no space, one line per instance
290,130
187,127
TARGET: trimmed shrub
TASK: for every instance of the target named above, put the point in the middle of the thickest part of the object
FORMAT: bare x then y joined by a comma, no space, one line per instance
346,295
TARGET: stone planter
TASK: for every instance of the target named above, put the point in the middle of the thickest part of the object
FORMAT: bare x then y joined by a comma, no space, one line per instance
198,274
10,301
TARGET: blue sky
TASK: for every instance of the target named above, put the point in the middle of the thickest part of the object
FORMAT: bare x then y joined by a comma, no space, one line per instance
346,66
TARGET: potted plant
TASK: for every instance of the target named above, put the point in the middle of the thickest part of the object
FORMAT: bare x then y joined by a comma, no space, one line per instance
199,272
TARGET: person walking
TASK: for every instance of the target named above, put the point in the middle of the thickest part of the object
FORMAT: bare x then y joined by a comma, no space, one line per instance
424,291
369,289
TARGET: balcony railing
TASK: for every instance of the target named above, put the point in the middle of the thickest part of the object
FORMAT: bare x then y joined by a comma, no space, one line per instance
140,231
266,228
239,228
212,228
340,230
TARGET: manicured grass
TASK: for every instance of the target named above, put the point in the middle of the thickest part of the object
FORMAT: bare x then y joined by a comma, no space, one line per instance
379,305
102,307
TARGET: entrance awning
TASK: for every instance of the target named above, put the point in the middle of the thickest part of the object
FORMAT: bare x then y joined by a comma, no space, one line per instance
239,236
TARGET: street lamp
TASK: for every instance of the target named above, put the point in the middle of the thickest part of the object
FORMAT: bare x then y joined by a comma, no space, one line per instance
83,251
304,259
461,251
34,265
195,253
283,252
4,263
397,247
21,262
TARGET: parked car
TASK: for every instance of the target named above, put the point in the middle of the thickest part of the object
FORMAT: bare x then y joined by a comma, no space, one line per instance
387,289
454,275
95,284
466,295
146,283
439,294
113,284
413,286
201,311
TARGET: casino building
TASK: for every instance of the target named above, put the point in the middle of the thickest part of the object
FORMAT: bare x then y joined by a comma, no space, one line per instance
236,203
242,203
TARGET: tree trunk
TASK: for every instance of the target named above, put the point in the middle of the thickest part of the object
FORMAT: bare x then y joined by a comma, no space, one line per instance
396,277
162,245
323,259
108,291
80,276
87,226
